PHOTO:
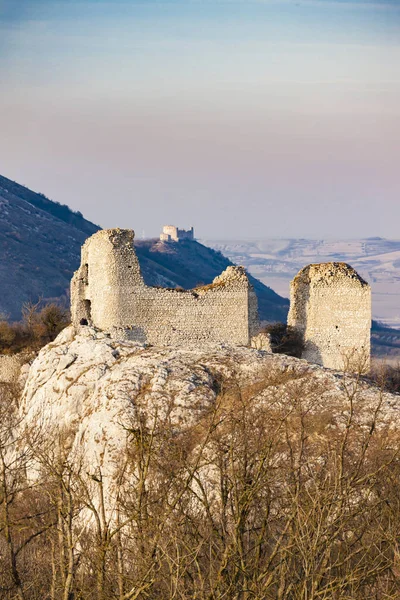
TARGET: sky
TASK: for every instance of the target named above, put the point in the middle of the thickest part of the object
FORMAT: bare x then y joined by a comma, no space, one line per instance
243,118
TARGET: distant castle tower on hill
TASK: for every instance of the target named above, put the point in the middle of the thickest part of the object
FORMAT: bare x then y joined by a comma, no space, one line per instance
170,233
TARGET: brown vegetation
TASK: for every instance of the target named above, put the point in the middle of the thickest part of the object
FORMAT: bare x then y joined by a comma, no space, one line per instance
386,376
270,495
40,325
285,339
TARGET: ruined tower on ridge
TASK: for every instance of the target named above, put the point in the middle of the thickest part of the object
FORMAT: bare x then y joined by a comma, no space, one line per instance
109,293
171,233
331,305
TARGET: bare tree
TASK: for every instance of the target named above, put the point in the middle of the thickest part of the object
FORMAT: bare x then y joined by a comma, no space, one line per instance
276,490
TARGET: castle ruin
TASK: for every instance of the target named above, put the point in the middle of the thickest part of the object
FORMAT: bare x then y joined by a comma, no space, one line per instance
331,305
108,292
170,233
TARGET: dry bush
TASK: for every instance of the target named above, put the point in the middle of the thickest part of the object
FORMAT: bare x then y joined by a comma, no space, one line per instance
387,376
39,326
8,334
285,339
24,514
270,494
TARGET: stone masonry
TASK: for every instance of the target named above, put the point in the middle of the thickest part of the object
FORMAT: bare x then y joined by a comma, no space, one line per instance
109,293
331,305
170,233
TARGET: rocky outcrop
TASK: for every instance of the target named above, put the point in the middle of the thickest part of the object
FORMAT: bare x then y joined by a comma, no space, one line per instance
93,389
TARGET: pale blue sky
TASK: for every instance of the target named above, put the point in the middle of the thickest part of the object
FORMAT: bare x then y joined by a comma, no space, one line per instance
245,118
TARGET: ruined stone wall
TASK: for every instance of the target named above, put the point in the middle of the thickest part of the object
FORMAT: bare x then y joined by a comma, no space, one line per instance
108,291
186,234
331,304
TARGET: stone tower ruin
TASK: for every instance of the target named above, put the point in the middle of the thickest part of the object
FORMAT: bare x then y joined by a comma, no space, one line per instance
331,305
171,233
108,292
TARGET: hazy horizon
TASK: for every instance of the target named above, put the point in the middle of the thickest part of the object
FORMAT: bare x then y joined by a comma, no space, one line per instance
248,119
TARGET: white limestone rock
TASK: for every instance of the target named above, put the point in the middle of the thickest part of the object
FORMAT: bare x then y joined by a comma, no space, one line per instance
94,388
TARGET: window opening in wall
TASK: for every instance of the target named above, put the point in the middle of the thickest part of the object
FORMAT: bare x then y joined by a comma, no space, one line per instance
88,309
86,274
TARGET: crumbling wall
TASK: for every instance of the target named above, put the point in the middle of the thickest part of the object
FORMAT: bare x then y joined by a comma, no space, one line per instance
331,305
108,292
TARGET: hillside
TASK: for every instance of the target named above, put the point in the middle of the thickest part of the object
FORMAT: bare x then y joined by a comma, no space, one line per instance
40,243
40,201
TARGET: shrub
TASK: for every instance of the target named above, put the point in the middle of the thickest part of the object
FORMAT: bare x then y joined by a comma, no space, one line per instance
387,377
285,339
7,334
39,326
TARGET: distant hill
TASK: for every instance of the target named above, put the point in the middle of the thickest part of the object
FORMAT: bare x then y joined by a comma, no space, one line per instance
40,243
385,343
